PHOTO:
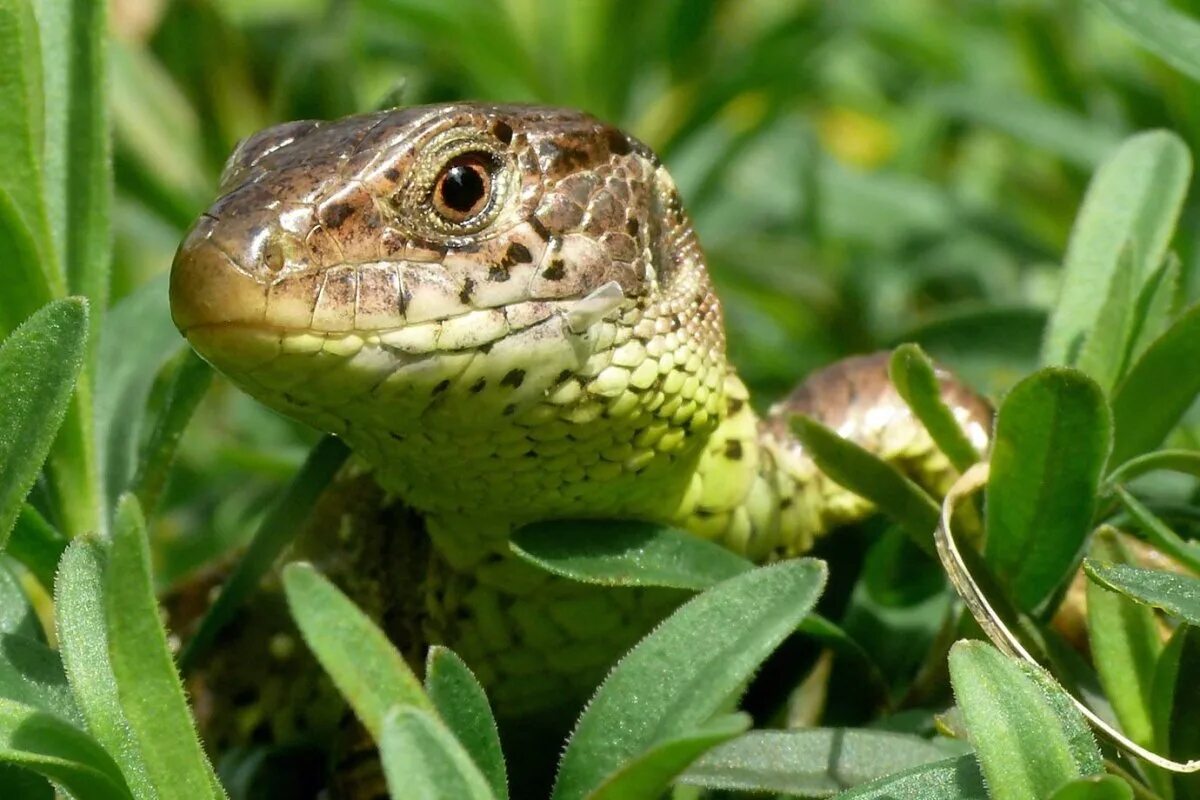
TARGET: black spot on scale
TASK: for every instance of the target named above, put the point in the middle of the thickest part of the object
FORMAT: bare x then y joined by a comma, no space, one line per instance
392,174
497,273
540,229
555,271
518,254
733,450
632,227
509,409
618,143
563,377
478,386
336,214
502,131
786,502
464,296
735,405
441,387
514,378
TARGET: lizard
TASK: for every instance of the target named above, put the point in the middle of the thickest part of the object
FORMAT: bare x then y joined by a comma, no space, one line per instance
505,312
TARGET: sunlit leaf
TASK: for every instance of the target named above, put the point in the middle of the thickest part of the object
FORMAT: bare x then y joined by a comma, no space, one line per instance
463,706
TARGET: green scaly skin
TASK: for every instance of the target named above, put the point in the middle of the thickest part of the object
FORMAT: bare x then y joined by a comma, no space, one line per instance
557,351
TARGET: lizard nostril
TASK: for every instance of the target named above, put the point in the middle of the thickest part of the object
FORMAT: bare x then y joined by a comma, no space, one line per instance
272,256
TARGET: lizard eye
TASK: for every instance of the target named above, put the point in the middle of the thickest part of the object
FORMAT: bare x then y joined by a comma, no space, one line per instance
463,188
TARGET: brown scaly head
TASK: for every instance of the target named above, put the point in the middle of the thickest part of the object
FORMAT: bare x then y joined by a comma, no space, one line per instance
502,308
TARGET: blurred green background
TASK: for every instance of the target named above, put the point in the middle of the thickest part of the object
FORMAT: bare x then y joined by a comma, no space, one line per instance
861,172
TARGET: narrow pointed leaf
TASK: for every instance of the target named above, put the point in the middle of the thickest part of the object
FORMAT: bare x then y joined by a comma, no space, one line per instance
651,773
37,545
81,624
809,763
626,553
1125,645
1178,595
1002,701
687,670
39,363
364,665
1158,534
1133,201
951,779
463,706
48,745
423,761
1051,443
1154,395
274,533
1100,787
914,376
866,475
1166,31
147,682
16,612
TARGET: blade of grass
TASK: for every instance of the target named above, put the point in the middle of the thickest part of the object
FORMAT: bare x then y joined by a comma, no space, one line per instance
366,668
1158,534
147,681
190,382
274,533
37,545
1167,32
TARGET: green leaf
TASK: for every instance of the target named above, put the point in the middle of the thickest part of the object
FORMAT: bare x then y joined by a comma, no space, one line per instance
1133,202
951,779
365,667
1100,787
1075,138
626,553
916,380
1152,398
189,384
1158,534
1103,356
811,763
1178,595
1002,702
16,612
1177,711
687,670
463,706
1051,442
651,773
78,163
37,270
860,471
54,748
1165,31
1125,645
37,545
39,363
423,761
81,624
137,339
275,532
147,682
31,673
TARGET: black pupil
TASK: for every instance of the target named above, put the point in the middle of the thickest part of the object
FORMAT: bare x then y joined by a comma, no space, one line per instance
462,187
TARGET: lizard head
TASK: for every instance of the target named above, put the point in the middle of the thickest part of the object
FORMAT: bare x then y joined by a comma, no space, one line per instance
442,271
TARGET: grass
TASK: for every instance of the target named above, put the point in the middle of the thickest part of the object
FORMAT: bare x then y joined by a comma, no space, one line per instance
1007,187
